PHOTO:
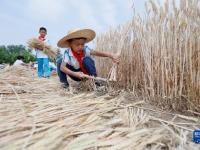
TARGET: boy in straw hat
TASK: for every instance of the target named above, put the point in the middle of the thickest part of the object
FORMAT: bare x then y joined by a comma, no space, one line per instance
78,60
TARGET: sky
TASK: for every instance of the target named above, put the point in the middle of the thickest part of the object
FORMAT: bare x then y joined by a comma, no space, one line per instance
21,19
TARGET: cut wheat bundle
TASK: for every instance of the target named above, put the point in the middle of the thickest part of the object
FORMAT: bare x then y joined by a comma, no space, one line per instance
40,45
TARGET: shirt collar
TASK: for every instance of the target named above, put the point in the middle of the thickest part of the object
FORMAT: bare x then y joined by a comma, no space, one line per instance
70,52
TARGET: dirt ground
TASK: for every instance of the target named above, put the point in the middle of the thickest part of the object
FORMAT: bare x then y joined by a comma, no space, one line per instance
36,113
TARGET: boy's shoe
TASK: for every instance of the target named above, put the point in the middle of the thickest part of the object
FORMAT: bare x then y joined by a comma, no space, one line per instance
65,85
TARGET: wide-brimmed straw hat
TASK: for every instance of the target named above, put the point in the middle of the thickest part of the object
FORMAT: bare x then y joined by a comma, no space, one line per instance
88,34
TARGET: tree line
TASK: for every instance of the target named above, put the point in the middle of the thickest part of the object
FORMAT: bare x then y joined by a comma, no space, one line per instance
9,54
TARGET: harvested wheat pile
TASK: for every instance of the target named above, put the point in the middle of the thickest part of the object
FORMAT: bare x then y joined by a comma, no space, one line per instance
40,45
36,114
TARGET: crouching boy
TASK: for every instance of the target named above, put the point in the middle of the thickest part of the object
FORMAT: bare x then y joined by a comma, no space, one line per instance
78,62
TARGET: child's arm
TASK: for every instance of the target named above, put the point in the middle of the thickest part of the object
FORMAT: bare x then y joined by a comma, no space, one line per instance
114,57
79,75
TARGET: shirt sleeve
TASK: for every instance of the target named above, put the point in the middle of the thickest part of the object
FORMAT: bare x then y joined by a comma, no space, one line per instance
66,56
88,51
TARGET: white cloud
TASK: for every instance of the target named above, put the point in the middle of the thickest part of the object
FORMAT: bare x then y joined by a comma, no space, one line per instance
84,13
45,9
107,11
96,14
60,15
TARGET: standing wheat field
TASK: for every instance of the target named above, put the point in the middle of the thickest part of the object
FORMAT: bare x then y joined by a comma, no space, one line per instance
160,54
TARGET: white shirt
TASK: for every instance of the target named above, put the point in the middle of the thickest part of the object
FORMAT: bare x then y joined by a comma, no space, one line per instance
71,60
18,62
40,53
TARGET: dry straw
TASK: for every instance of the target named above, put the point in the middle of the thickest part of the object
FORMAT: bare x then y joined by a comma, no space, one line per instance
40,45
36,114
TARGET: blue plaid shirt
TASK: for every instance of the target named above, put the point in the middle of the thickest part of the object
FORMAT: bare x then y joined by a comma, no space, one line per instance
72,61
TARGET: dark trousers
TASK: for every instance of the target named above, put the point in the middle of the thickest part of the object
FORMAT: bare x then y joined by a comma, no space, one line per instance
88,64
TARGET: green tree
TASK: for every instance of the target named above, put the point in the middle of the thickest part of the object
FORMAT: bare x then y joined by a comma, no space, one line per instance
8,54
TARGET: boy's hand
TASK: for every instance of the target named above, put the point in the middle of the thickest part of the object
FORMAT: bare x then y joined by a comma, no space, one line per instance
115,58
81,75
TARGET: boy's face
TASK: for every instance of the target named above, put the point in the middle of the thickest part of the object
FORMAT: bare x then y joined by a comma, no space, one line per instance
43,33
77,45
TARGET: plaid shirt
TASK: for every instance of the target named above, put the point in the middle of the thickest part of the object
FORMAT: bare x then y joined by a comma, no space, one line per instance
72,61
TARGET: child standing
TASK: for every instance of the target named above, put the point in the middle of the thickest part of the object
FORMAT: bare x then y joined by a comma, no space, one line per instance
42,58
78,60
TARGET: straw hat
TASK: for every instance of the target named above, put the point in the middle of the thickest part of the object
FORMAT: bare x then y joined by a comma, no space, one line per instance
76,33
